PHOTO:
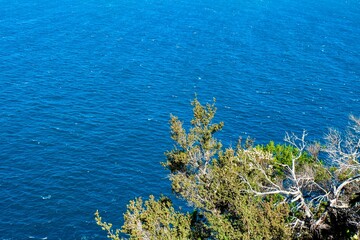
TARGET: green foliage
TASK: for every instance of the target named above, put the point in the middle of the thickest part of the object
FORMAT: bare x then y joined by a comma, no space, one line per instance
107,227
208,178
150,220
242,193
155,220
283,154
193,151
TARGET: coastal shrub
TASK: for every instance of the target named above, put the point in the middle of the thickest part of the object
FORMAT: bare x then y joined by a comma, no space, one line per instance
271,191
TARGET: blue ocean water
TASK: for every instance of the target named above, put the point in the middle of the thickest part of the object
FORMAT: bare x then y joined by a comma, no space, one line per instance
87,87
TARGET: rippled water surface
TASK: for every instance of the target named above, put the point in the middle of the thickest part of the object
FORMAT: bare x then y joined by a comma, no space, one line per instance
87,87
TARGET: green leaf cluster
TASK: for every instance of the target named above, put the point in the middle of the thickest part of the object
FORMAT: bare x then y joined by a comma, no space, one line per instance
219,183
155,220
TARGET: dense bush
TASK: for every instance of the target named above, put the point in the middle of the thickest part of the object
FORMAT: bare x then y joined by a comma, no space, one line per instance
273,191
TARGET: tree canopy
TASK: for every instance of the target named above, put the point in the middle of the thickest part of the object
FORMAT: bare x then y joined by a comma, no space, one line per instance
293,190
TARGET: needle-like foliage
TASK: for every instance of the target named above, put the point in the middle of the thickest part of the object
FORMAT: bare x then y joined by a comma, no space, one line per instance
273,191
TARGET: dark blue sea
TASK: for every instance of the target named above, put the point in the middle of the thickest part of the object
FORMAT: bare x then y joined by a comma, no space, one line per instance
87,88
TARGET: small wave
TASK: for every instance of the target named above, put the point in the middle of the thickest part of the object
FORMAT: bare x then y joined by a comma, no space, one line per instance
263,92
46,197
